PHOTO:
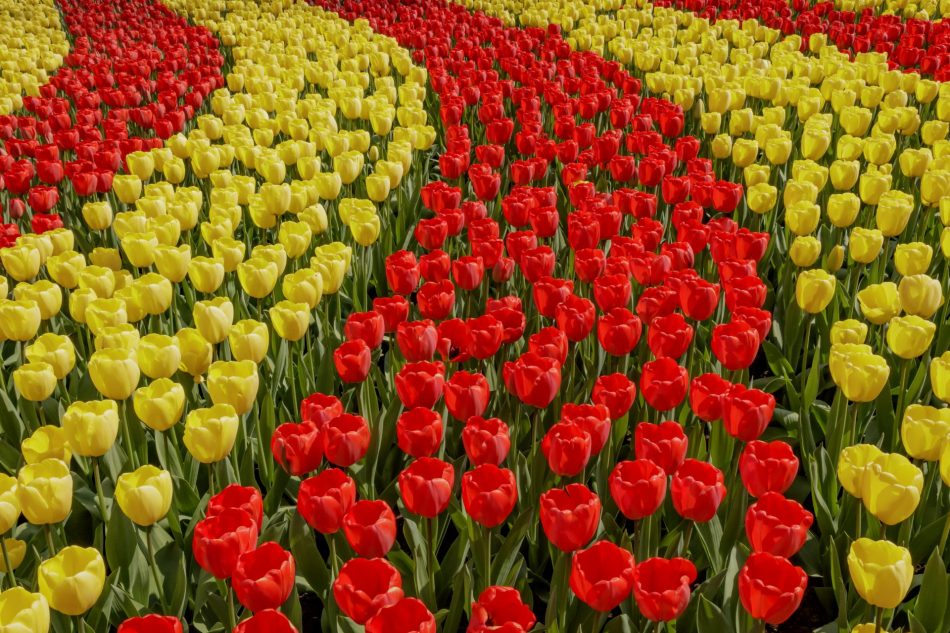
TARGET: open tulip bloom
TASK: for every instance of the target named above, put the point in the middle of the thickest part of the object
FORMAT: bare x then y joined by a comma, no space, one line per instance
474,316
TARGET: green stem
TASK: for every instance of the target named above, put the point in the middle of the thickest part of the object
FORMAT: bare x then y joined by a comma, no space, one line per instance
48,529
899,416
878,619
6,562
598,623
944,534
232,613
487,534
211,483
127,435
103,513
430,563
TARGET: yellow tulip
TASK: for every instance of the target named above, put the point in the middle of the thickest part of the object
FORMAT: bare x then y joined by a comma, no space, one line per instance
893,212
196,352
142,164
214,318
145,494
22,263
19,320
64,268
328,185
814,290
881,571
55,349
880,302
249,340
295,237
103,313
290,320
920,295
860,374
22,611
802,217
127,187
73,579
910,336
206,274
46,442
91,427
923,431
234,383
913,258
97,215
35,381
9,503
891,488
853,464
105,262
805,251
173,262
159,404
47,295
229,251
114,372
258,276
848,331
761,197
45,491
153,293
16,552
303,286
210,432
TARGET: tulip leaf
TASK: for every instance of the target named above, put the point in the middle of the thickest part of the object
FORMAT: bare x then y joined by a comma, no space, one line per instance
171,566
838,584
931,600
709,617
121,541
915,625
927,538
503,561
310,564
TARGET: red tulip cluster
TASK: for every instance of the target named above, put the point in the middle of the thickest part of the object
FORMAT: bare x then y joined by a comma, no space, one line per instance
137,72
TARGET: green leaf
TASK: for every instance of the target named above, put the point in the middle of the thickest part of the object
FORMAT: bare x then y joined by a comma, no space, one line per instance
930,605
310,564
121,540
503,561
620,624
709,617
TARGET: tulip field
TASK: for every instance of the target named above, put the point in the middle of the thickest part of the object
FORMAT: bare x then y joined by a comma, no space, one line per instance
406,316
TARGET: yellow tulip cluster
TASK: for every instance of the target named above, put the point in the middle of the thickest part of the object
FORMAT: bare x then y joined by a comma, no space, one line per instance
32,46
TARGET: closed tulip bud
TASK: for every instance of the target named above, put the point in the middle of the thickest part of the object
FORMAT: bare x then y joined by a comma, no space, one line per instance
881,571
19,320
910,336
893,212
234,383
97,215
46,442
22,263
35,381
805,251
744,151
802,217
172,262
923,431
158,356
920,295
365,229
860,375
779,149
45,491
16,552
880,302
144,495
848,331
213,318
934,186
160,404
196,352
127,187
814,290
761,197
258,276
844,174
73,579
115,372
913,258
64,269
141,164
864,245
210,433
940,376
290,320
91,427
377,187
722,146
9,503
56,350
842,209
206,274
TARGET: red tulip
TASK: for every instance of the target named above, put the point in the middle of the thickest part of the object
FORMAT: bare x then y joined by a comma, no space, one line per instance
612,291
661,587
697,489
365,326
618,331
320,408
220,540
486,441
436,299
744,292
370,528
592,418
735,344
417,340
237,497
602,575
777,525
420,384
267,621
408,615
698,299
431,232
500,610
567,448
468,272
589,264
394,310
364,586
544,222
534,379
656,301
324,499
669,336
453,340
637,487
402,272
297,447
664,444
426,486
549,342
747,412
512,319
466,395
549,293
435,266
575,317
42,199
767,467
352,360
707,393
419,432
535,263
489,494
771,588
345,439
760,320
616,392
570,516
151,623
264,577
663,383
485,335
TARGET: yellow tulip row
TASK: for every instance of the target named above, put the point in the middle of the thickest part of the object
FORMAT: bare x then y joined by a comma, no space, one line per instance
32,45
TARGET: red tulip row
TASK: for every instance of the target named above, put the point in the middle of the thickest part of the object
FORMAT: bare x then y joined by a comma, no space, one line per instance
137,72
911,44
549,127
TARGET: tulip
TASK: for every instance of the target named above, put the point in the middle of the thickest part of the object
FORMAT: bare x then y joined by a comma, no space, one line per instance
910,336
602,575
19,320
151,623
891,487
940,376
567,448
24,611
663,383
860,375
419,432
144,495
664,444
500,608
489,494
777,525
923,431
345,439
408,615
881,572
771,588
486,441
864,245
9,503
848,331
616,392
210,432
266,621
158,356
297,447
73,579
220,540
47,295
115,373
233,383
661,587
920,295
213,318
570,516
364,586
264,577
324,499
35,381
912,258
697,489
814,290
91,427
249,340
352,360
206,274
370,528
637,487
290,320
160,404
